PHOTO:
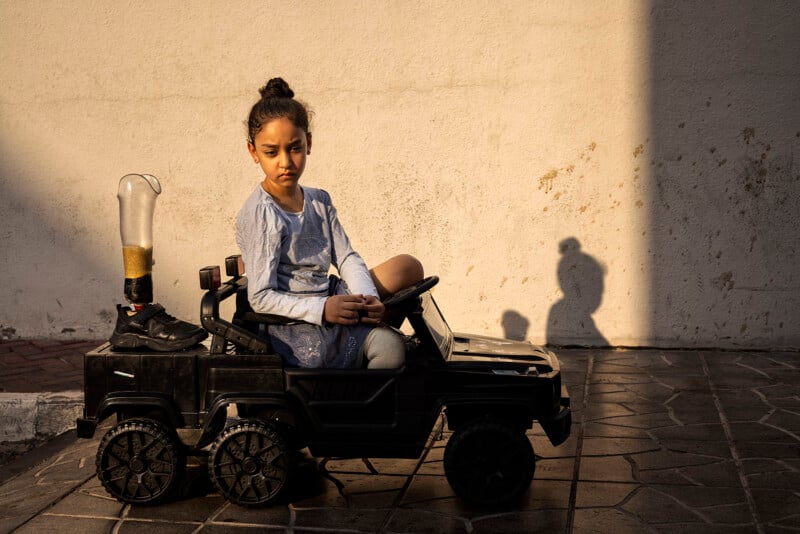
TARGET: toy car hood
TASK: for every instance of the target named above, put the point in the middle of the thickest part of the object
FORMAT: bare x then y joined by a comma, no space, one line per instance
481,351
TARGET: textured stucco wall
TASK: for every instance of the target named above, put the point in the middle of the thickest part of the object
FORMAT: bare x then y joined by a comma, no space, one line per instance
588,173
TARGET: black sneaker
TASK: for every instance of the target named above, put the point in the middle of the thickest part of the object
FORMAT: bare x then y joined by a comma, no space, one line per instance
154,328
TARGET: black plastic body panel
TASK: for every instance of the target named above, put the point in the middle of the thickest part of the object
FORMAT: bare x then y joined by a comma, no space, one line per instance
348,413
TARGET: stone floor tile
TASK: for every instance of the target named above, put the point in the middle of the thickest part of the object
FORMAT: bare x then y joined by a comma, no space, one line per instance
729,378
54,524
630,392
784,420
654,507
515,522
392,466
603,494
597,520
704,528
89,500
641,407
788,480
692,383
543,448
692,407
698,432
448,506
715,504
384,466
665,459
717,449
620,379
546,494
137,526
653,421
758,432
622,367
182,510
424,488
343,519
370,491
424,522
750,449
270,516
745,414
756,466
554,469
603,410
779,507
717,474
606,469
238,528
326,493
617,446
609,429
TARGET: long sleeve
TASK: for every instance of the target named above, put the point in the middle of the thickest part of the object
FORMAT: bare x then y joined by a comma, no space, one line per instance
352,268
262,237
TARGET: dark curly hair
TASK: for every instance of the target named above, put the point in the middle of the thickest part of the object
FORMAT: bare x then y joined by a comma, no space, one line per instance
277,101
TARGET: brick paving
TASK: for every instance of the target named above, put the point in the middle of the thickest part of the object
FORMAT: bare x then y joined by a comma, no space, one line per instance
42,365
662,441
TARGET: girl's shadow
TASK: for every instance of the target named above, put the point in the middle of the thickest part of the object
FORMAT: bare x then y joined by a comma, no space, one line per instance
570,319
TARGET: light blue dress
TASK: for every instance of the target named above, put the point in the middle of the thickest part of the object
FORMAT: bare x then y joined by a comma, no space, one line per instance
287,257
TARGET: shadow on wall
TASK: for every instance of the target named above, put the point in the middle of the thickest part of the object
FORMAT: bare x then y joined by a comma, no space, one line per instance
45,262
515,326
723,152
570,319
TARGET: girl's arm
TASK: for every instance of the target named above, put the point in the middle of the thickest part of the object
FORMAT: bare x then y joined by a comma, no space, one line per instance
352,268
259,239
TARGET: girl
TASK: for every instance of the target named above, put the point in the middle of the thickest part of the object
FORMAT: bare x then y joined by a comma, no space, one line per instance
290,235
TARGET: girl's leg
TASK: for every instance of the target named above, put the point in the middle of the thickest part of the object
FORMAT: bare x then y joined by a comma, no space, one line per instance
396,273
384,349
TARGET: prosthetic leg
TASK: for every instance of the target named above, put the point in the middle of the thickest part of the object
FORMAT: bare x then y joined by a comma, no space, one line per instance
146,324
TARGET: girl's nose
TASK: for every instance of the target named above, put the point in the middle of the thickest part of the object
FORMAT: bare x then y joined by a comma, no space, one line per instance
285,161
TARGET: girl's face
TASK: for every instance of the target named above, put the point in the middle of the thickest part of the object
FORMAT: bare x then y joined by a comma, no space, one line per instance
280,148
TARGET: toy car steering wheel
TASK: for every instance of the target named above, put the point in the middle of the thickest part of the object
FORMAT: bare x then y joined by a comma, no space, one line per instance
406,294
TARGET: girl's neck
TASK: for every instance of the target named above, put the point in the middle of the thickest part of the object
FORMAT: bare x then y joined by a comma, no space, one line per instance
290,200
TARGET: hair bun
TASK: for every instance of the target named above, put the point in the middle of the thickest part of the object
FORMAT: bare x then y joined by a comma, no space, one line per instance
276,88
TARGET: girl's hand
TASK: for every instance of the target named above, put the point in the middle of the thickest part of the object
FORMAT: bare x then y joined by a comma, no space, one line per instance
344,309
373,309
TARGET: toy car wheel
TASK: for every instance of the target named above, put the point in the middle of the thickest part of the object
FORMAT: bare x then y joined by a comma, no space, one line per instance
489,464
140,461
249,463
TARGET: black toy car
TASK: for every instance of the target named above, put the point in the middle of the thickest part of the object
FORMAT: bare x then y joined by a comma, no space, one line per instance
491,390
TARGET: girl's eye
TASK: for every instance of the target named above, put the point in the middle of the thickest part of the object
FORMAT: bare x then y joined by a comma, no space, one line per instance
270,153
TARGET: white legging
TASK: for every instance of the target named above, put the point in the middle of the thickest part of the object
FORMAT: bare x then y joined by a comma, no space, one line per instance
384,349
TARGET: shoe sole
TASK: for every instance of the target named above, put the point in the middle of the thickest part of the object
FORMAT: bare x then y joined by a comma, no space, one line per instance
137,341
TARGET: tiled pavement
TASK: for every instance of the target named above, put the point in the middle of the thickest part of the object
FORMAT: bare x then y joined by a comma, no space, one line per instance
42,365
663,441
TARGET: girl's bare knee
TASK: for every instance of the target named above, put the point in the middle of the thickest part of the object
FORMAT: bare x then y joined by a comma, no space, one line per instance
411,268
384,349
397,273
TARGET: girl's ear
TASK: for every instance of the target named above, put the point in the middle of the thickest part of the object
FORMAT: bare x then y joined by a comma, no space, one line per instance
252,150
308,143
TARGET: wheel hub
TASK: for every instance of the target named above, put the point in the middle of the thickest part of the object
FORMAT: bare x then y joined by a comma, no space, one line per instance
250,465
137,465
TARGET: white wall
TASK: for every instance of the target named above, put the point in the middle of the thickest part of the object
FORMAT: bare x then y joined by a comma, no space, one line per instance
493,140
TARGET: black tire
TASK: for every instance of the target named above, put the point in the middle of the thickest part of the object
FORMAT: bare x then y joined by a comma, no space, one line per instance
140,461
250,464
489,464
